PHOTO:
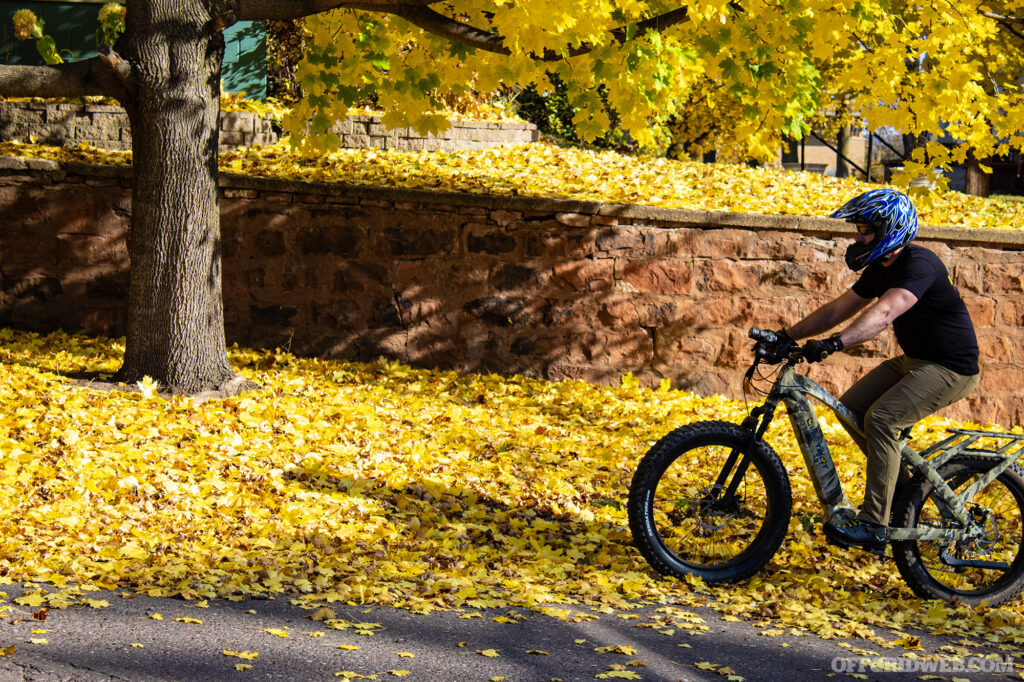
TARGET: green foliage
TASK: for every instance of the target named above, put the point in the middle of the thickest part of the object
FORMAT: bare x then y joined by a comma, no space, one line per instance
555,115
111,19
28,26
287,42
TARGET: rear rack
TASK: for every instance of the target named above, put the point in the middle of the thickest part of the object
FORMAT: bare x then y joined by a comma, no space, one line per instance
962,440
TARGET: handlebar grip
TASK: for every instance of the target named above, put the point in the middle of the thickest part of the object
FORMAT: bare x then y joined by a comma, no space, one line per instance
762,335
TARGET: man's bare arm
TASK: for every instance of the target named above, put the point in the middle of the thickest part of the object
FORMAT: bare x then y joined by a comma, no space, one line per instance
878,316
836,311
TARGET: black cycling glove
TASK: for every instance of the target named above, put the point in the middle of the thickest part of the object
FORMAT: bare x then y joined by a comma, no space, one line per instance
784,342
817,350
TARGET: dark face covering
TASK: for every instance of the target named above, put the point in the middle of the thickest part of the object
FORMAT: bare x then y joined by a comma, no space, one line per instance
858,255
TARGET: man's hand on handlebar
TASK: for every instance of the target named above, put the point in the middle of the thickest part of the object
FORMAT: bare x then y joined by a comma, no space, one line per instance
774,346
817,350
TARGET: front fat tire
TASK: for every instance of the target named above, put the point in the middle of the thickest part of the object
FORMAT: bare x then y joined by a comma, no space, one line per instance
908,555
765,465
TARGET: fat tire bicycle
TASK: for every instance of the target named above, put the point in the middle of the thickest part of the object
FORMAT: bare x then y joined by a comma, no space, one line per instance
712,499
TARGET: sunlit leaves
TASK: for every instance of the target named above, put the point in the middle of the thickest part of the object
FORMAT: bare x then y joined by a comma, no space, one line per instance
732,78
543,170
345,483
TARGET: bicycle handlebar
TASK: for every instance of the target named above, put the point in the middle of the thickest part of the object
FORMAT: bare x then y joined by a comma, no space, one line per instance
762,335
769,347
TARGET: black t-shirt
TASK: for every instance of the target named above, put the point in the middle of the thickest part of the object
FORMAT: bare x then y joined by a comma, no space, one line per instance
938,327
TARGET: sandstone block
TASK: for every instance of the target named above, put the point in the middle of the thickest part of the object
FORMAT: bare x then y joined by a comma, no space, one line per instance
573,219
619,313
485,239
996,348
1004,278
766,313
618,239
428,238
1000,376
968,276
585,275
787,274
729,275
704,242
982,310
516,277
660,277
1011,311
569,314
557,244
504,218
497,310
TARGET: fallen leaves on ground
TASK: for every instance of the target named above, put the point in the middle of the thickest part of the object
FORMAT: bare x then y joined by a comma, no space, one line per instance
380,484
546,170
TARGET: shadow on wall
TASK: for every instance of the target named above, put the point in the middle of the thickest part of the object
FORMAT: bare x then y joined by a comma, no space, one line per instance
64,262
356,282
480,285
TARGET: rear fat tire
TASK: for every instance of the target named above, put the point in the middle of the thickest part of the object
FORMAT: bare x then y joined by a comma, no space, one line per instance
765,465
907,555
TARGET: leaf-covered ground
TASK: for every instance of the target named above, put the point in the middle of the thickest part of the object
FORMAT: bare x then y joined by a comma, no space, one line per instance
382,484
545,170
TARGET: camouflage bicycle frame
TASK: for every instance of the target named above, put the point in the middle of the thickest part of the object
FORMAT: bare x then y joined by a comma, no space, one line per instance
794,389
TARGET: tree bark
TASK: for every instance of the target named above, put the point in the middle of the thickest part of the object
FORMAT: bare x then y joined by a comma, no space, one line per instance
175,316
977,179
843,145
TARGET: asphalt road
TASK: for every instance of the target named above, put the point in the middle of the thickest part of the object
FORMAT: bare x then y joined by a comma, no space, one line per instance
124,641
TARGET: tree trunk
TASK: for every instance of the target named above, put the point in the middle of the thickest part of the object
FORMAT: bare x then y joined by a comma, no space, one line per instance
977,179
843,145
175,316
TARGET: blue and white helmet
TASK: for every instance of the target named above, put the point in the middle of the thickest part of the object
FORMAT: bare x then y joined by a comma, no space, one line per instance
893,216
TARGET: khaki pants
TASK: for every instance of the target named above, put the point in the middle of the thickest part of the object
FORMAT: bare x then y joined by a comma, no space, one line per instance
893,396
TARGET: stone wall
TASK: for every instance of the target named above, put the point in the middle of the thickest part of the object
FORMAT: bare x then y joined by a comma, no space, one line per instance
548,288
107,127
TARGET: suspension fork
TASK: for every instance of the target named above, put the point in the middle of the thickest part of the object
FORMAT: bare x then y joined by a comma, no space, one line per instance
756,423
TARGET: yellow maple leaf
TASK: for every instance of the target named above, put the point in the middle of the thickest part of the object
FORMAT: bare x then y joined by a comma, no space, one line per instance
489,653
910,643
186,619
624,649
33,600
247,655
277,632
147,387
618,674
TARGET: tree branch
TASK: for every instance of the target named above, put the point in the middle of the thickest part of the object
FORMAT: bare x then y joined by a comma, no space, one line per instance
440,25
253,10
418,13
75,79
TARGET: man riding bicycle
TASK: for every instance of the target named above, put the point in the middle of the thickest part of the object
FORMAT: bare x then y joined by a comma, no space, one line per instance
907,286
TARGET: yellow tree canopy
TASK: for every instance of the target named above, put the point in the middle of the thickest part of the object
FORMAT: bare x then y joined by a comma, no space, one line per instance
752,71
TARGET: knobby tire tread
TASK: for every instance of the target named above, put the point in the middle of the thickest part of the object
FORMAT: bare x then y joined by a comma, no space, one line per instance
910,566
675,445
